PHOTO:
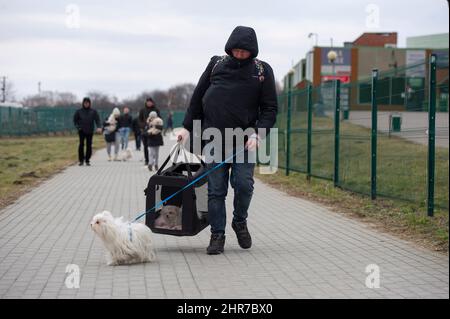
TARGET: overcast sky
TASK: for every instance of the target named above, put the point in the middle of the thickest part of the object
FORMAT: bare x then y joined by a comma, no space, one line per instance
125,47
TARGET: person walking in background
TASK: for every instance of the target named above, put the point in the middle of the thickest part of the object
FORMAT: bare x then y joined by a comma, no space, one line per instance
84,120
137,133
111,133
143,116
125,124
169,123
154,138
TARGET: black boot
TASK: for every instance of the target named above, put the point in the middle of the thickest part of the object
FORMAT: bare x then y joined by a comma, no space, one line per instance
216,244
243,236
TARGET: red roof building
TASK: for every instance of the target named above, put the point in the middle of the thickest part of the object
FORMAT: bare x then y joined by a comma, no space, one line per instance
376,39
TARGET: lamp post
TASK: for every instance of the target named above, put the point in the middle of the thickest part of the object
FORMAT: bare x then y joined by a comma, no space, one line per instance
316,36
331,56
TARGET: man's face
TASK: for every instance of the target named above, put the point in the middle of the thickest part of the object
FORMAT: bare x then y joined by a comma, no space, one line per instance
149,103
86,104
126,110
241,54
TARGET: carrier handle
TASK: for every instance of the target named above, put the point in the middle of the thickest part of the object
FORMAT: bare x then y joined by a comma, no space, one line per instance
177,147
188,167
196,155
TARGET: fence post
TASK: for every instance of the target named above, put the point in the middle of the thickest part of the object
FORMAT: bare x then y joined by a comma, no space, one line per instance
337,118
20,122
10,121
288,124
309,134
431,132
373,170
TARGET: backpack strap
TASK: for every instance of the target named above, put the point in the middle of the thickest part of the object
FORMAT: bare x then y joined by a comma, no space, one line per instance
219,60
258,64
260,69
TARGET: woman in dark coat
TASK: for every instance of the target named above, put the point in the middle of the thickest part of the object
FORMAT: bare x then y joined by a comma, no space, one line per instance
111,133
153,130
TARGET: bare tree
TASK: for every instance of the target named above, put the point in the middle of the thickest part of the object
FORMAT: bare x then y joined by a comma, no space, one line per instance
10,92
180,95
65,99
161,98
137,102
51,99
38,100
102,100
175,98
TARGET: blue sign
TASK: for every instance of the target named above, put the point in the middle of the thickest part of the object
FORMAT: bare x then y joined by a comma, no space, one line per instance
343,56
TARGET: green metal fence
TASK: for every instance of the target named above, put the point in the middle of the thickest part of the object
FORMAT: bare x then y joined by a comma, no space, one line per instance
386,135
43,120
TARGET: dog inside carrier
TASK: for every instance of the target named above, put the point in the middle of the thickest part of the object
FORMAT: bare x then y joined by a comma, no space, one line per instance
172,208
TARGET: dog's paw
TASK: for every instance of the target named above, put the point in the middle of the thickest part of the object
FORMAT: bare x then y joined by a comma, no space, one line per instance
110,261
151,256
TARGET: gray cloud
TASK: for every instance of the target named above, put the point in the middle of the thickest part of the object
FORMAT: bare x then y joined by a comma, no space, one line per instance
126,47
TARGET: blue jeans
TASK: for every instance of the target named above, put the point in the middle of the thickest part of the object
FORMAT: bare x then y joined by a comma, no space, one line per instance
124,133
241,181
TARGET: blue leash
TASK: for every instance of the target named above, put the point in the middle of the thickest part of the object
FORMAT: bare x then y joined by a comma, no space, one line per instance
188,185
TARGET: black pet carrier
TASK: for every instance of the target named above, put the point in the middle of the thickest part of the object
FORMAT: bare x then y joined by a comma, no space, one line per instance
183,214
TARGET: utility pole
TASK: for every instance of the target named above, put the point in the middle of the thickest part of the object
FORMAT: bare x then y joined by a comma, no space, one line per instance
3,89
39,87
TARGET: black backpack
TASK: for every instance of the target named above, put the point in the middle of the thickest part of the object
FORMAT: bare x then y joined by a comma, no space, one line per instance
258,65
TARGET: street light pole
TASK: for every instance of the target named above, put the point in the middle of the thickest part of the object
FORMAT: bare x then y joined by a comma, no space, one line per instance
316,36
332,55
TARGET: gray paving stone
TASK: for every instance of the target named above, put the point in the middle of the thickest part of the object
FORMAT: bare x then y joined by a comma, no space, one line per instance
301,249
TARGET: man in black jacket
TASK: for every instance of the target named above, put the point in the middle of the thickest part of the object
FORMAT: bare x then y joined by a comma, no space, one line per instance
143,116
137,133
84,120
235,91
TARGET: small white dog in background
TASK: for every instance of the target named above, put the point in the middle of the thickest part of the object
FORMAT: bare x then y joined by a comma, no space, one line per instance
126,155
126,243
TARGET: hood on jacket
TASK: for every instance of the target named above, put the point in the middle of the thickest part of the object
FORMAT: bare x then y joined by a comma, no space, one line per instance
86,99
242,38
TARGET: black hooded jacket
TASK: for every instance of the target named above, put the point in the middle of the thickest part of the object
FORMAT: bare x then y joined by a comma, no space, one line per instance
144,113
231,94
85,118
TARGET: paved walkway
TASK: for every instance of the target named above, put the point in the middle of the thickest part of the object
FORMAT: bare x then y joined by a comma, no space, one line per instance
301,249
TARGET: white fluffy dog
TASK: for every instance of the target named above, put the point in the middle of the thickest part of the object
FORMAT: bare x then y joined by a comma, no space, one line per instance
126,154
126,243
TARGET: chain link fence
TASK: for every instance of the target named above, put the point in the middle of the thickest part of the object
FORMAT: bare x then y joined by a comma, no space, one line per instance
43,120
386,135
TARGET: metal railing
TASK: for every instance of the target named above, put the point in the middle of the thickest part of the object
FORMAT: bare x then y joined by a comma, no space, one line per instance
371,136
